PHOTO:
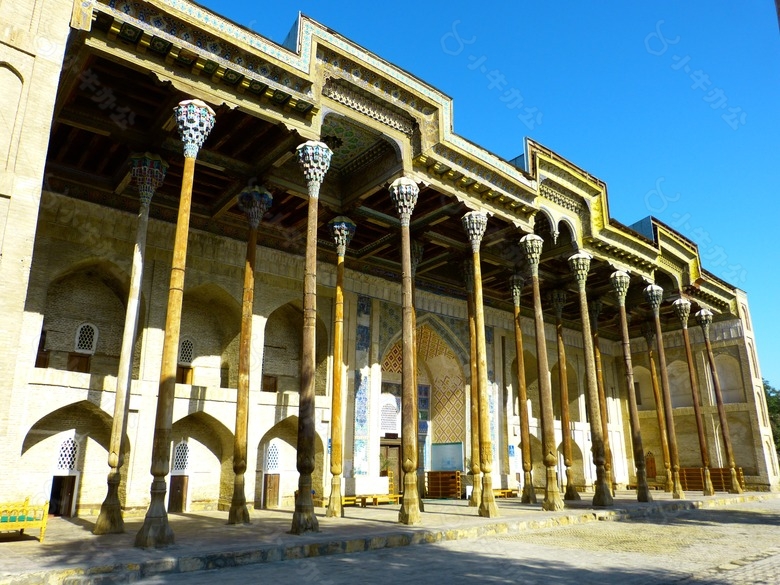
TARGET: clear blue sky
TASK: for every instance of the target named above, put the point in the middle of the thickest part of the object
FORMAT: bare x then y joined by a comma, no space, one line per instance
695,115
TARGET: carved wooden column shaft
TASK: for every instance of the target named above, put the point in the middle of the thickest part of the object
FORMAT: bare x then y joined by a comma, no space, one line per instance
704,317
648,331
342,229
654,295
558,298
476,471
682,307
594,309
404,193
416,253
580,265
254,202
148,171
620,282
195,120
531,246
529,493
475,223
314,159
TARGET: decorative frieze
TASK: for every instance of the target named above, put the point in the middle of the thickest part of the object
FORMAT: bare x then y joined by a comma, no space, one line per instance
368,107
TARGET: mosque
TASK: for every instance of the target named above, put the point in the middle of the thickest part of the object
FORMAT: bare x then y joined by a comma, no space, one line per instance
273,273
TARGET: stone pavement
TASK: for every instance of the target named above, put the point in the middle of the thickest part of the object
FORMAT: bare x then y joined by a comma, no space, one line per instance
71,554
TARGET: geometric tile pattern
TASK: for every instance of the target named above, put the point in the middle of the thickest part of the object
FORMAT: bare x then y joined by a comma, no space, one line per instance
448,416
447,398
393,361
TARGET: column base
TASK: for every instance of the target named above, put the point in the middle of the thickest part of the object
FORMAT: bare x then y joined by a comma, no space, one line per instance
476,492
735,487
304,520
156,532
602,495
552,495
571,494
239,513
669,483
642,489
110,520
487,506
709,489
677,493
335,509
529,492
410,505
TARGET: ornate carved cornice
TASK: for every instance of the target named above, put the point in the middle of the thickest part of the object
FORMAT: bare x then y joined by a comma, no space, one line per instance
153,32
565,200
337,90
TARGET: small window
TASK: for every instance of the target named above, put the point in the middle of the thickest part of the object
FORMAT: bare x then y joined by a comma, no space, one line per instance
86,339
638,394
272,461
69,449
181,457
186,352
186,355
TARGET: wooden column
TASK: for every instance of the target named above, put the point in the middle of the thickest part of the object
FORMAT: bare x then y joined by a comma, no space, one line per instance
314,159
148,170
476,471
254,201
342,229
558,299
416,252
195,120
704,318
474,223
594,308
648,331
620,281
404,194
654,295
529,493
682,307
531,246
580,265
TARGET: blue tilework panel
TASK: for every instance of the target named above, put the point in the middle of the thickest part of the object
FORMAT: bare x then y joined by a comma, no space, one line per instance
363,341
364,306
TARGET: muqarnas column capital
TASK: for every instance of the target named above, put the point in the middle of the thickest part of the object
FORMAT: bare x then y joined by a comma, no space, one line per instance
404,192
194,119
475,223
531,245
254,201
342,229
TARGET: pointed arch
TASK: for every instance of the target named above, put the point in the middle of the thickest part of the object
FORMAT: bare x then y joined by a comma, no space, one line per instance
210,458
283,339
439,366
211,319
283,436
92,292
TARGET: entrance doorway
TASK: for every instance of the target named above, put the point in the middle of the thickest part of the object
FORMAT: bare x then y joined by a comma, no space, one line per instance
390,460
177,499
61,500
270,490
